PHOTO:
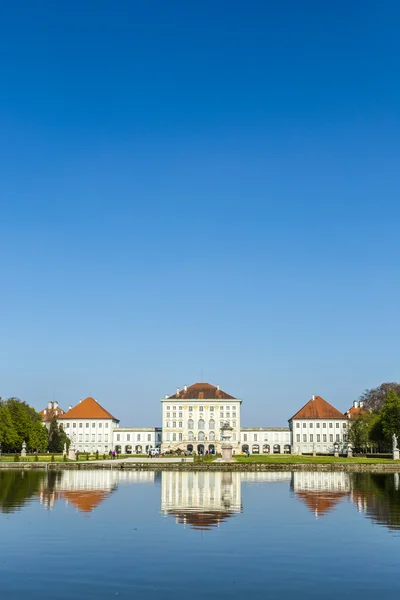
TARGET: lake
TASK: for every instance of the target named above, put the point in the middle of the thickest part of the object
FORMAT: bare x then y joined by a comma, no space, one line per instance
112,534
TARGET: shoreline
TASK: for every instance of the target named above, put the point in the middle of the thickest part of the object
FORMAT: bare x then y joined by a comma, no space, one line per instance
186,466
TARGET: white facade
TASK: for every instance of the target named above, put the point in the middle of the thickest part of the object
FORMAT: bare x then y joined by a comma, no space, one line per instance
319,435
194,424
91,435
136,440
265,440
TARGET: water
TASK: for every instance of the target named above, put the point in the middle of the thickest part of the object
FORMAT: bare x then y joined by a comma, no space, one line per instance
103,535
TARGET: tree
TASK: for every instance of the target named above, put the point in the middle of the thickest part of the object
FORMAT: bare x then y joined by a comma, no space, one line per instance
390,415
8,435
27,424
359,431
374,399
57,436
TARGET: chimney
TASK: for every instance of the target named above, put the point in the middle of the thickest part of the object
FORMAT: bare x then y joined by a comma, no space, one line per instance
218,388
185,388
177,391
69,407
313,396
55,404
44,412
50,405
355,404
166,396
361,404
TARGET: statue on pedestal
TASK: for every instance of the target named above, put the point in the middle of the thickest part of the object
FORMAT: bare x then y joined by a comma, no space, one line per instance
395,450
72,449
226,446
23,451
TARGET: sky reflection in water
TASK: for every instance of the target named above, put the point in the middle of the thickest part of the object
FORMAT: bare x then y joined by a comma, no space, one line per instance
113,534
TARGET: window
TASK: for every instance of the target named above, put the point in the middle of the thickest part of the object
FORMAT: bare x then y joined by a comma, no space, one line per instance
233,423
149,437
190,436
105,438
87,425
190,424
106,425
93,437
298,437
311,437
318,437
211,424
304,425
297,424
67,425
93,425
212,436
174,437
255,437
100,425
168,415
227,408
324,425
311,425
201,424
221,416
304,437
174,408
80,425
337,437
118,437
174,415
317,425
74,425
330,425
337,425
174,424
331,437
128,437
201,408
80,437
344,425
180,415
211,409
180,437
180,408
324,437
99,437
201,435
180,424
245,437
86,437
168,408
344,437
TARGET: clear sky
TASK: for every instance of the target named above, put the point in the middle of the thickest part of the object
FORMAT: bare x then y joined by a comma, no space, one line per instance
199,191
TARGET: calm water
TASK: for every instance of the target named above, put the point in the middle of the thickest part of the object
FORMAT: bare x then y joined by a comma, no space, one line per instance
102,534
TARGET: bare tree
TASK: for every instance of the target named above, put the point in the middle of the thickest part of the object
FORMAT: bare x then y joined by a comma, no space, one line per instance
373,399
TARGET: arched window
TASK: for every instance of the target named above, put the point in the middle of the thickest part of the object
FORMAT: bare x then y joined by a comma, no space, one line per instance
190,435
212,436
201,435
212,424
190,424
201,424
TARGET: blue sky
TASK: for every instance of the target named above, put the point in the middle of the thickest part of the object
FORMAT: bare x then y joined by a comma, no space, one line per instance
199,191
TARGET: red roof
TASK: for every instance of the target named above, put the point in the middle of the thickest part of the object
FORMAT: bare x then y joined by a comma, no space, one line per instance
354,412
200,391
318,408
49,413
88,409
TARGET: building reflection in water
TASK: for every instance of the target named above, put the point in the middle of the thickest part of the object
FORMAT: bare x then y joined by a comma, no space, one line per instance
86,490
320,491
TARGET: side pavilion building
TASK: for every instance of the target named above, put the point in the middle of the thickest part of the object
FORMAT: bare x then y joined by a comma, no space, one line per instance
90,426
318,426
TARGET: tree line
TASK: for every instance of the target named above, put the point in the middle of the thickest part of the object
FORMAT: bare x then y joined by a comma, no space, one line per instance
20,423
378,419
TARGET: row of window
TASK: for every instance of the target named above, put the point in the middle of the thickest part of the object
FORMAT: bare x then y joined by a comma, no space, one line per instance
128,437
80,438
201,408
255,437
190,425
191,437
221,416
317,425
87,425
318,437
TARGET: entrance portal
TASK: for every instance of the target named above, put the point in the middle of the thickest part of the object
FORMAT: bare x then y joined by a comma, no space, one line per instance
200,449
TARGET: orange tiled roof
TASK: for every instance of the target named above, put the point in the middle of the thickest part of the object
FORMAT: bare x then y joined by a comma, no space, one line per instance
355,412
318,408
88,409
320,502
200,391
86,501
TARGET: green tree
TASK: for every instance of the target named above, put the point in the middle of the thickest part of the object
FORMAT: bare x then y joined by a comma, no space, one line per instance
390,415
8,435
374,399
27,424
57,436
359,431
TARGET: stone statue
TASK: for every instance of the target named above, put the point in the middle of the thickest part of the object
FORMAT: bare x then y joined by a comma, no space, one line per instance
23,451
65,450
394,442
